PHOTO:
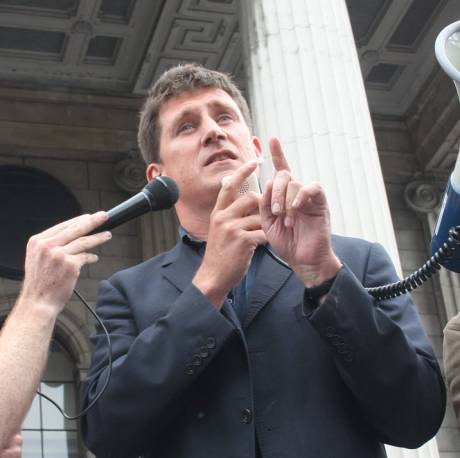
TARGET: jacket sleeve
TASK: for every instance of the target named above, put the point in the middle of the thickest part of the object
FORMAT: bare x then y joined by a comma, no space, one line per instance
452,360
382,354
150,370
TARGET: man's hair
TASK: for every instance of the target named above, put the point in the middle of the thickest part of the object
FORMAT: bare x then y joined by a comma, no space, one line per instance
172,83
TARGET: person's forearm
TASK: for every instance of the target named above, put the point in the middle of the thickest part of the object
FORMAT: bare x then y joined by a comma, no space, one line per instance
24,342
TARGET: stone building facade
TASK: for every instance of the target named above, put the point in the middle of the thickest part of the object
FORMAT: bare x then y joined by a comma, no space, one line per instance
371,115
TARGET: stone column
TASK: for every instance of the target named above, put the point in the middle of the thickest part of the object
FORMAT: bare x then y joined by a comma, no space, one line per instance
305,86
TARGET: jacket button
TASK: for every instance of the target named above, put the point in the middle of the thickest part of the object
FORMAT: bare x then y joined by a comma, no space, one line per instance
211,343
246,416
330,331
189,369
348,357
204,352
196,360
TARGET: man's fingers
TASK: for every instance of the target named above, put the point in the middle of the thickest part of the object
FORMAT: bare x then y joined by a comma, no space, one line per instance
278,158
232,183
258,237
87,243
310,197
51,231
86,258
250,223
80,228
280,185
265,205
243,206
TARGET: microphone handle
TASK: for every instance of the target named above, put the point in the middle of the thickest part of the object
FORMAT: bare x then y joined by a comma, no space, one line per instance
135,206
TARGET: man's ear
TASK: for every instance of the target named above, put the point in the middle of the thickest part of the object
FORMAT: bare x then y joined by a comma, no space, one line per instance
257,146
153,171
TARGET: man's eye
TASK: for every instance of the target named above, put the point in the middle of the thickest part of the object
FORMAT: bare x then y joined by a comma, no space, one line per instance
187,127
224,117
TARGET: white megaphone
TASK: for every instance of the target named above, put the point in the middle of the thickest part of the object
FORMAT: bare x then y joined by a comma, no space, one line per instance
447,49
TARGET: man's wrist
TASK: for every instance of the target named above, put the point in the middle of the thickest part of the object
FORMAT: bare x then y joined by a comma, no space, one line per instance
215,294
40,310
312,276
316,295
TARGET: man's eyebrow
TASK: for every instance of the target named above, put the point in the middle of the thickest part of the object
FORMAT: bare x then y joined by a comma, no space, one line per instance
182,115
217,104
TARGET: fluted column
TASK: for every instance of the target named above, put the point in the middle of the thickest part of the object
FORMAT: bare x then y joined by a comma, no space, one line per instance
305,86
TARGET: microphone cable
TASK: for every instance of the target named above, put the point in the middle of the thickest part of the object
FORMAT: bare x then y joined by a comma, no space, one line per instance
109,366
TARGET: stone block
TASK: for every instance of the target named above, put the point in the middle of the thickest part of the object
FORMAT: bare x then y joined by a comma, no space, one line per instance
101,176
108,265
78,310
89,200
405,220
122,246
424,302
395,197
73,174
431,324
412,259
11,160
410,239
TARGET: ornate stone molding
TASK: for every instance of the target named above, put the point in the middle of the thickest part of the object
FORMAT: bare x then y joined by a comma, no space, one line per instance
129,174
422,196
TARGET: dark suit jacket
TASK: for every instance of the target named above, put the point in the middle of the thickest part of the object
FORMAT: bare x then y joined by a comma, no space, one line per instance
190,381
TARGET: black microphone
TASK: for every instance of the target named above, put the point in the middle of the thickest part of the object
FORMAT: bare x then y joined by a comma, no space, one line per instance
160,193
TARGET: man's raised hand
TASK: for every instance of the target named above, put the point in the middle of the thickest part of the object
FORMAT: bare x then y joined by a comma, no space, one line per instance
296,222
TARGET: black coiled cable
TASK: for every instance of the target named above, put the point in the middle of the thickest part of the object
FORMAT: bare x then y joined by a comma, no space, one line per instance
421,275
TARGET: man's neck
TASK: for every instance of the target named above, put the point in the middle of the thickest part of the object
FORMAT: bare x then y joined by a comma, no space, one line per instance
194,221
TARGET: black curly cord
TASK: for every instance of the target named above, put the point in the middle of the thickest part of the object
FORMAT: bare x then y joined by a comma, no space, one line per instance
421,275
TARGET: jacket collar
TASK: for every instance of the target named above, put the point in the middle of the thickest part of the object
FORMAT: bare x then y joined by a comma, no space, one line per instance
181,263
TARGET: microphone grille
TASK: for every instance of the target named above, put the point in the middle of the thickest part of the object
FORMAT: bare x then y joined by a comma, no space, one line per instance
162,192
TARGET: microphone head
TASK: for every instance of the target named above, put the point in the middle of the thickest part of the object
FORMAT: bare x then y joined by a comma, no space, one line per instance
162,193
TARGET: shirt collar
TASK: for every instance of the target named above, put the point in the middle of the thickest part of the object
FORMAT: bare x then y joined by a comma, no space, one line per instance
189,240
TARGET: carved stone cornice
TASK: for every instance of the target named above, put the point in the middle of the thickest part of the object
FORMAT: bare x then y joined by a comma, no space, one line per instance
422,195
129,174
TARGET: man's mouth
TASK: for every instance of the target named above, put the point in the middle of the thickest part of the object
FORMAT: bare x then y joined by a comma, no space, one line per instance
220,156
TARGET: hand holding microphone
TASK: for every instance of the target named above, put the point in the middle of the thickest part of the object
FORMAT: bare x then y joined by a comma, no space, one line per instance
54,257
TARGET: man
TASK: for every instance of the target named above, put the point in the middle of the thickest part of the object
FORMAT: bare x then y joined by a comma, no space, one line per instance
220,351
53,262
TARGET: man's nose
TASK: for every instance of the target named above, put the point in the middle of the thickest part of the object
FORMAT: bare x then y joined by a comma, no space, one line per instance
213,133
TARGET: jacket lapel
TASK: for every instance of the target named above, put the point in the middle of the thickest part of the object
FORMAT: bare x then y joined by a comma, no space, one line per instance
179,267
270,277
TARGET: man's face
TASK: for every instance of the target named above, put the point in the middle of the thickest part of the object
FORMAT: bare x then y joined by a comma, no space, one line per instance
203,138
